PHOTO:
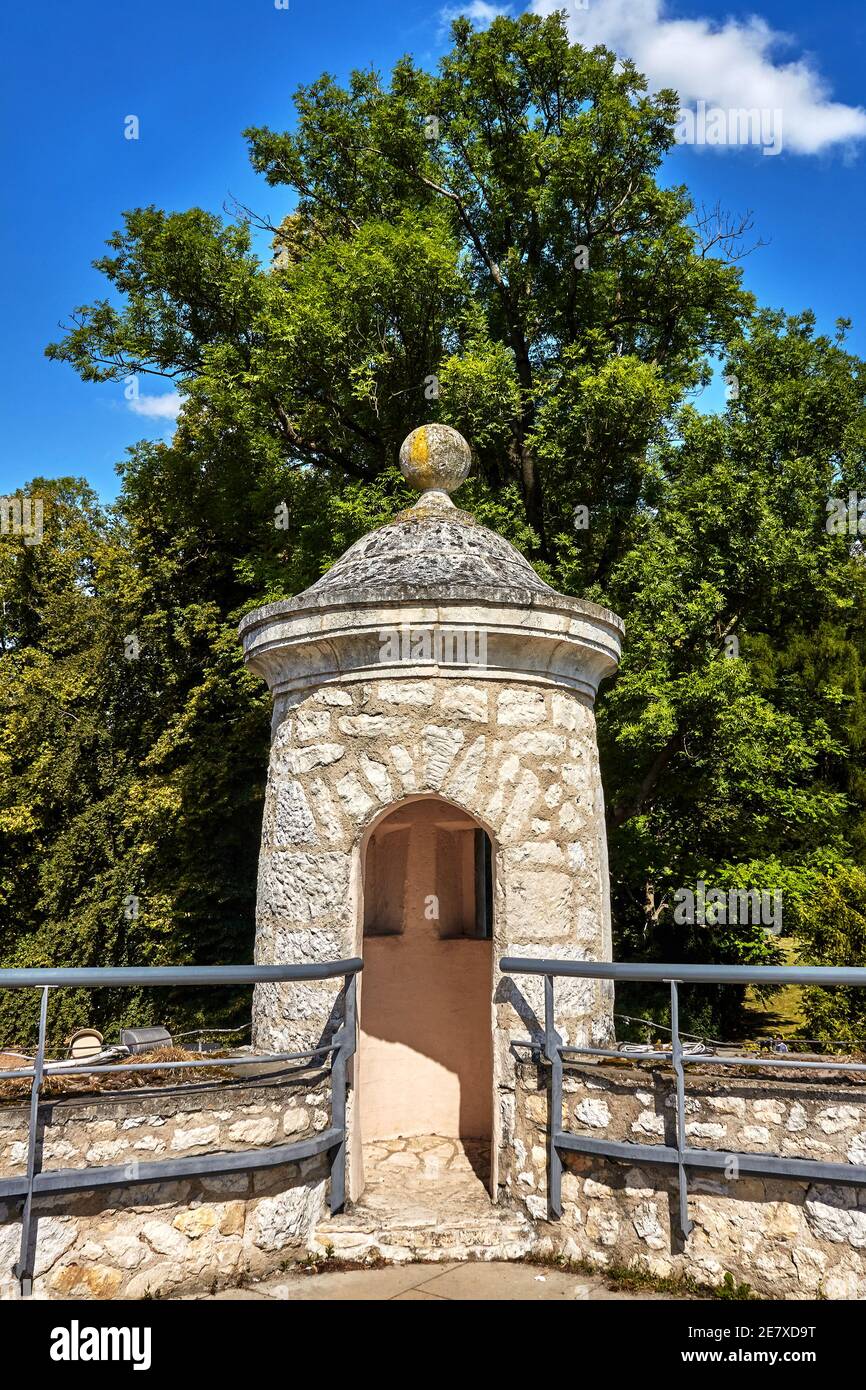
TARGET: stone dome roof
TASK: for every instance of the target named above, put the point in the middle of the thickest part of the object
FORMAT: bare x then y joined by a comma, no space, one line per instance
429,551
432,550
438,572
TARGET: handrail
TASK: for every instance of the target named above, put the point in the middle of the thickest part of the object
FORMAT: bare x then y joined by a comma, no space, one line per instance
688,974
680,1154
332,1141
96,977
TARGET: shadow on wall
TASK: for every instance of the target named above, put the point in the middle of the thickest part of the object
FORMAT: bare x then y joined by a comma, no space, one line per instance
426,1047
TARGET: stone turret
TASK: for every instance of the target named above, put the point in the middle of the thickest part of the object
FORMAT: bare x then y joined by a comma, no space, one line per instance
432,664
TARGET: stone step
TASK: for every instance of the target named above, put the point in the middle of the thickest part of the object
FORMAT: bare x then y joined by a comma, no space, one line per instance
407,1235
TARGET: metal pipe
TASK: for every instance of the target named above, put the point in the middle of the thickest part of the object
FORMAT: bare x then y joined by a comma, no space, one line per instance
345,1041
707,1059
110,1069
754,1164
688,974
552,1044
163,975
59,1180
677,1060
23,1271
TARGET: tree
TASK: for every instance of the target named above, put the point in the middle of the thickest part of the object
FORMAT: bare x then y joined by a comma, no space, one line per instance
490,246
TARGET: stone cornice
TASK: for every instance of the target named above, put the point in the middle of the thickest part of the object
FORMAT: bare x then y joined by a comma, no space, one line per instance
549,640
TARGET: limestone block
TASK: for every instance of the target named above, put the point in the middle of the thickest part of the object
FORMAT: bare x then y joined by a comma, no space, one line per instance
149,1143
465,701
372,725
376,774
699,1130
837,1215
106,1151
163,1238
203,1136
286,1219
727,1105
86,1281
835,1118
302,887
195,1222
646,1222
593,1113
531,852
312,724
525,796
441,745
326,811
649,1123
769,1111
331,695
355,800
251,1132
300,760
602,1225
540,743
520,707
463,778
538,903
797,1119
856,1151
405,692
293,822
54,1236
405,767
754,1134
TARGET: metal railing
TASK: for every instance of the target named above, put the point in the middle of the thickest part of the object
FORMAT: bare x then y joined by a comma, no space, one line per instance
38,1182
681,1155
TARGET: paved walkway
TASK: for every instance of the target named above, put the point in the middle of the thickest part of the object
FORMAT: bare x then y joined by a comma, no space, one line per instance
474,1280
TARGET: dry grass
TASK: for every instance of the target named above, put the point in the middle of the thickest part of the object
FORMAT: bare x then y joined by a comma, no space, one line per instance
85,1083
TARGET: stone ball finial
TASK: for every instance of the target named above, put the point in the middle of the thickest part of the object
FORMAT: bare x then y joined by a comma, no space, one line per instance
435,458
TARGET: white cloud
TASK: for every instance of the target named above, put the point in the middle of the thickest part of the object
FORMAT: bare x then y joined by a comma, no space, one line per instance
481,12
732,65
164,407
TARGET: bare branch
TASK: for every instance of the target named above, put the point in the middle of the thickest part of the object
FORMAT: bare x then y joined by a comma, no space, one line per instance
714,227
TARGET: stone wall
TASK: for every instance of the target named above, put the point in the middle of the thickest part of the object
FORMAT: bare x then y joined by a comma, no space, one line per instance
167,1238
787,1239
520,758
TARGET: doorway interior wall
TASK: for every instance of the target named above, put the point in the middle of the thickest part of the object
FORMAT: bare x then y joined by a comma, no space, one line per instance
425,1064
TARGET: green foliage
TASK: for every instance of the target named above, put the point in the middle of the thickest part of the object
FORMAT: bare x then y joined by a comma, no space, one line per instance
834,933
426,269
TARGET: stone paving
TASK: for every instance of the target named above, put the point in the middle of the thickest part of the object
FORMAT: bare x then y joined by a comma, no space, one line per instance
425,1198
425,1156
426,1208
452,1282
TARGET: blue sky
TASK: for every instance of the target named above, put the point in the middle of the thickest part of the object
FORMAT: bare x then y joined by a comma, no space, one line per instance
196,72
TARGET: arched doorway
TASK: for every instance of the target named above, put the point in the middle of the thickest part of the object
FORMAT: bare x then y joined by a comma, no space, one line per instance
426,1051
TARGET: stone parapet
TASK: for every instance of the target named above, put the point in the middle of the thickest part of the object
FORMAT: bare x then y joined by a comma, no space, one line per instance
786,1238
160,1239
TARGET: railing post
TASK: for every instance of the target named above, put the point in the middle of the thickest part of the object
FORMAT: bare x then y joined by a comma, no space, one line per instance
677,1059
345,1044
552,1043
23,1270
